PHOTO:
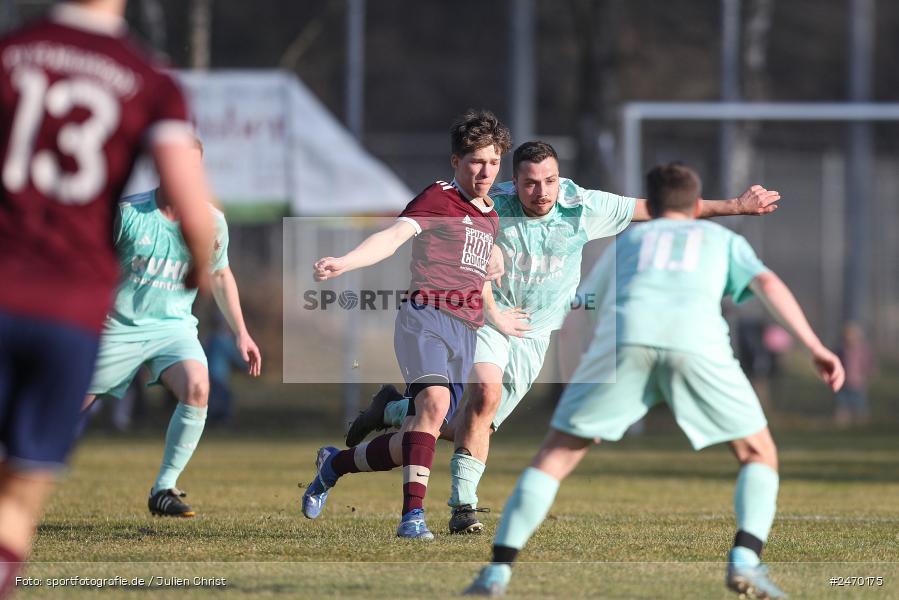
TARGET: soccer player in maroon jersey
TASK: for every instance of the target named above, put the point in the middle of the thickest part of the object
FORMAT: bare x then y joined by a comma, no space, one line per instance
454,225
78,101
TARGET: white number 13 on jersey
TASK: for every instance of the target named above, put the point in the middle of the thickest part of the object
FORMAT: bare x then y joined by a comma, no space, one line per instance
657,249
83,141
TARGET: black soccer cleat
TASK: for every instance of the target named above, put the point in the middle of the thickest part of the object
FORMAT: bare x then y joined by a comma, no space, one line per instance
168,503
372,418
465,519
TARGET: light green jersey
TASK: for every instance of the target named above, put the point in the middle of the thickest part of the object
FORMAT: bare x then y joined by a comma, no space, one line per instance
543,254
664,281
154,260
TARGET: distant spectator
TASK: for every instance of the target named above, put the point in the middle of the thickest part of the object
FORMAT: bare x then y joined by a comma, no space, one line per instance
759,346
223,357
777,341
852,400
755,359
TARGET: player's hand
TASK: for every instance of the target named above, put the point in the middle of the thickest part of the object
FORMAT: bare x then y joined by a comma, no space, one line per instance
328,268
495,267
757,201
829,368
512,322
198,279
250,353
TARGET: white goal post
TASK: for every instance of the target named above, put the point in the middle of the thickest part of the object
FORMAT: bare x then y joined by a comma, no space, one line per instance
633,115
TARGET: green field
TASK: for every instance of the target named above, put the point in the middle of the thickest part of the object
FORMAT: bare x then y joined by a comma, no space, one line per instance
645,518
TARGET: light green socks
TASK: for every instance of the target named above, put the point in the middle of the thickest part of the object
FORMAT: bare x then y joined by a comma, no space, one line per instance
755,499
466,472
395,412
755,503
181,439
526,508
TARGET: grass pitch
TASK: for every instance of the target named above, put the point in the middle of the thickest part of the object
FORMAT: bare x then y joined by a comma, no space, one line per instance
645,518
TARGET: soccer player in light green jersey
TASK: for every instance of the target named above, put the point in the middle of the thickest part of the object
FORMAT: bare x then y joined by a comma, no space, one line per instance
661,337
151,324
545,221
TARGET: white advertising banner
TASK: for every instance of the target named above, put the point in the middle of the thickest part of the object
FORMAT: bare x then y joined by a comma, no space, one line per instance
272,150
244,122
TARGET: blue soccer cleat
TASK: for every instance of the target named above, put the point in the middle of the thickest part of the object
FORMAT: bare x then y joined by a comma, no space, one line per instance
492,581
413,526
752,582
317,492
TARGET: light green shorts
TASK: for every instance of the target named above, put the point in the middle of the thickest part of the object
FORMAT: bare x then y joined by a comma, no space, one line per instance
119,361
520,360
710,397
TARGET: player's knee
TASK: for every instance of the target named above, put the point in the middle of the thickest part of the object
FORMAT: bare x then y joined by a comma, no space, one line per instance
431,405
484,400
758,451
745,453
432,412
768,455
556,463
197,393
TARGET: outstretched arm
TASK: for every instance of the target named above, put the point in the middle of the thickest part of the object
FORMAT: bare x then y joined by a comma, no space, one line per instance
754,201
227,298
781,303
373,249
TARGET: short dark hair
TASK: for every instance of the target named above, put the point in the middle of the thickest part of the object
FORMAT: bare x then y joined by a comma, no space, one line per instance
535,151
476,129
673,186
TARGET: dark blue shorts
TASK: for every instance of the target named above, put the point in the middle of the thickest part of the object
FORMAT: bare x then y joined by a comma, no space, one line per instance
45,368
433,348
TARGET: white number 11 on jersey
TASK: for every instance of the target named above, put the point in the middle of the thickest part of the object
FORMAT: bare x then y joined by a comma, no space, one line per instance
656,250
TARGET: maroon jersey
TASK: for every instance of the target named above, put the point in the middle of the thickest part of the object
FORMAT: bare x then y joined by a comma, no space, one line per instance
78,99
451,251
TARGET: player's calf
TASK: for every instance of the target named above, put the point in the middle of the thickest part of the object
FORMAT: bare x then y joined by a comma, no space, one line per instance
181,439
483,401
467,465
755,505
466,472
418,458
331,464
22,496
